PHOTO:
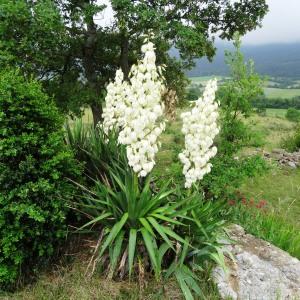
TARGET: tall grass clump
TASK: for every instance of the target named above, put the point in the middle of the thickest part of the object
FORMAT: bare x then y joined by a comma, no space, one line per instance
92,147
292,142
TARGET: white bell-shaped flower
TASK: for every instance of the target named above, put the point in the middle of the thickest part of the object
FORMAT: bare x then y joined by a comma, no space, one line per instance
200,128
136,110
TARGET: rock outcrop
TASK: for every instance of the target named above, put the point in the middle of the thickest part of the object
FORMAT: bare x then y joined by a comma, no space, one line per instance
259,271
281,156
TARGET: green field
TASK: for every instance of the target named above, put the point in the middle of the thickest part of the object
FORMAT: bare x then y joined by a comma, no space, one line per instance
276,112
281,93
203,79
269,91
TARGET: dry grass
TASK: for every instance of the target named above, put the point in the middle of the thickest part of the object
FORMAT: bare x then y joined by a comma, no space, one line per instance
271,129
69,283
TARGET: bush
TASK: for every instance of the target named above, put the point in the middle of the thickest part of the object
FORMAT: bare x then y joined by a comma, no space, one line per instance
292,143
34,163
236,96
228,174
293,115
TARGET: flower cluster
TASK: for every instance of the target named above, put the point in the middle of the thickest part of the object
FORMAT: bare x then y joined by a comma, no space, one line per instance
113,112
200,128
240,199
136,109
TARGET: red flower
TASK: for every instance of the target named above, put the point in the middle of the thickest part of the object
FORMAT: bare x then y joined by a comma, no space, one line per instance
244,201
231,202
261,204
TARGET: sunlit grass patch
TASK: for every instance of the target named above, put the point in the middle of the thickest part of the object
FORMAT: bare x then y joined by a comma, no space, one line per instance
281,188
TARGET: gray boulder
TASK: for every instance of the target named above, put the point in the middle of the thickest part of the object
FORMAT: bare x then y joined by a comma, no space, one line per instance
260,271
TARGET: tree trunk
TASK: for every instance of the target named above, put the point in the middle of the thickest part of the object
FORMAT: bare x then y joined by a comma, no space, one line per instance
97,113
89,50
124,54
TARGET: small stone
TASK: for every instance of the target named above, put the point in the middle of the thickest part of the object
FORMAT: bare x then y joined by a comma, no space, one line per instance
279,151
292,164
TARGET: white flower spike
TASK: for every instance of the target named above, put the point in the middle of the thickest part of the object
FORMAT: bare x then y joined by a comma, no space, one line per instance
113,112
200,128
135,108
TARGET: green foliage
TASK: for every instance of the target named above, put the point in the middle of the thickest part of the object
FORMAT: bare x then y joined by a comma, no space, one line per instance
169,231
258,219
34,163
193,93
60,42
293,115
92,147
31,36
264,102
228,174
236,96
292,142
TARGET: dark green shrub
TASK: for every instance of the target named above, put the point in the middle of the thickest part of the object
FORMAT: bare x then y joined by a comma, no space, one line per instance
293,114
34,163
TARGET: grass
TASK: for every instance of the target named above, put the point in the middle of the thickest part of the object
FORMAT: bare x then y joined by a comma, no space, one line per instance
271,128
172,140
267,224
281,188
70,283
281,93
276,112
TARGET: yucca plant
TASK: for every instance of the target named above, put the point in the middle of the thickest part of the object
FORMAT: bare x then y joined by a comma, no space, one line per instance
202,228
132,214
92,146
77,135
163,231
172,231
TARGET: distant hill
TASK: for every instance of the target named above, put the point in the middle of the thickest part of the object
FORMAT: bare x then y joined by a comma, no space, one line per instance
275,60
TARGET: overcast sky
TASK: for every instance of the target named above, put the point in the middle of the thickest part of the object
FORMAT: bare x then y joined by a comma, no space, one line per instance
280,25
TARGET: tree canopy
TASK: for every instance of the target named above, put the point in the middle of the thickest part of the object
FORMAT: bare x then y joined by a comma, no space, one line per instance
62,44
